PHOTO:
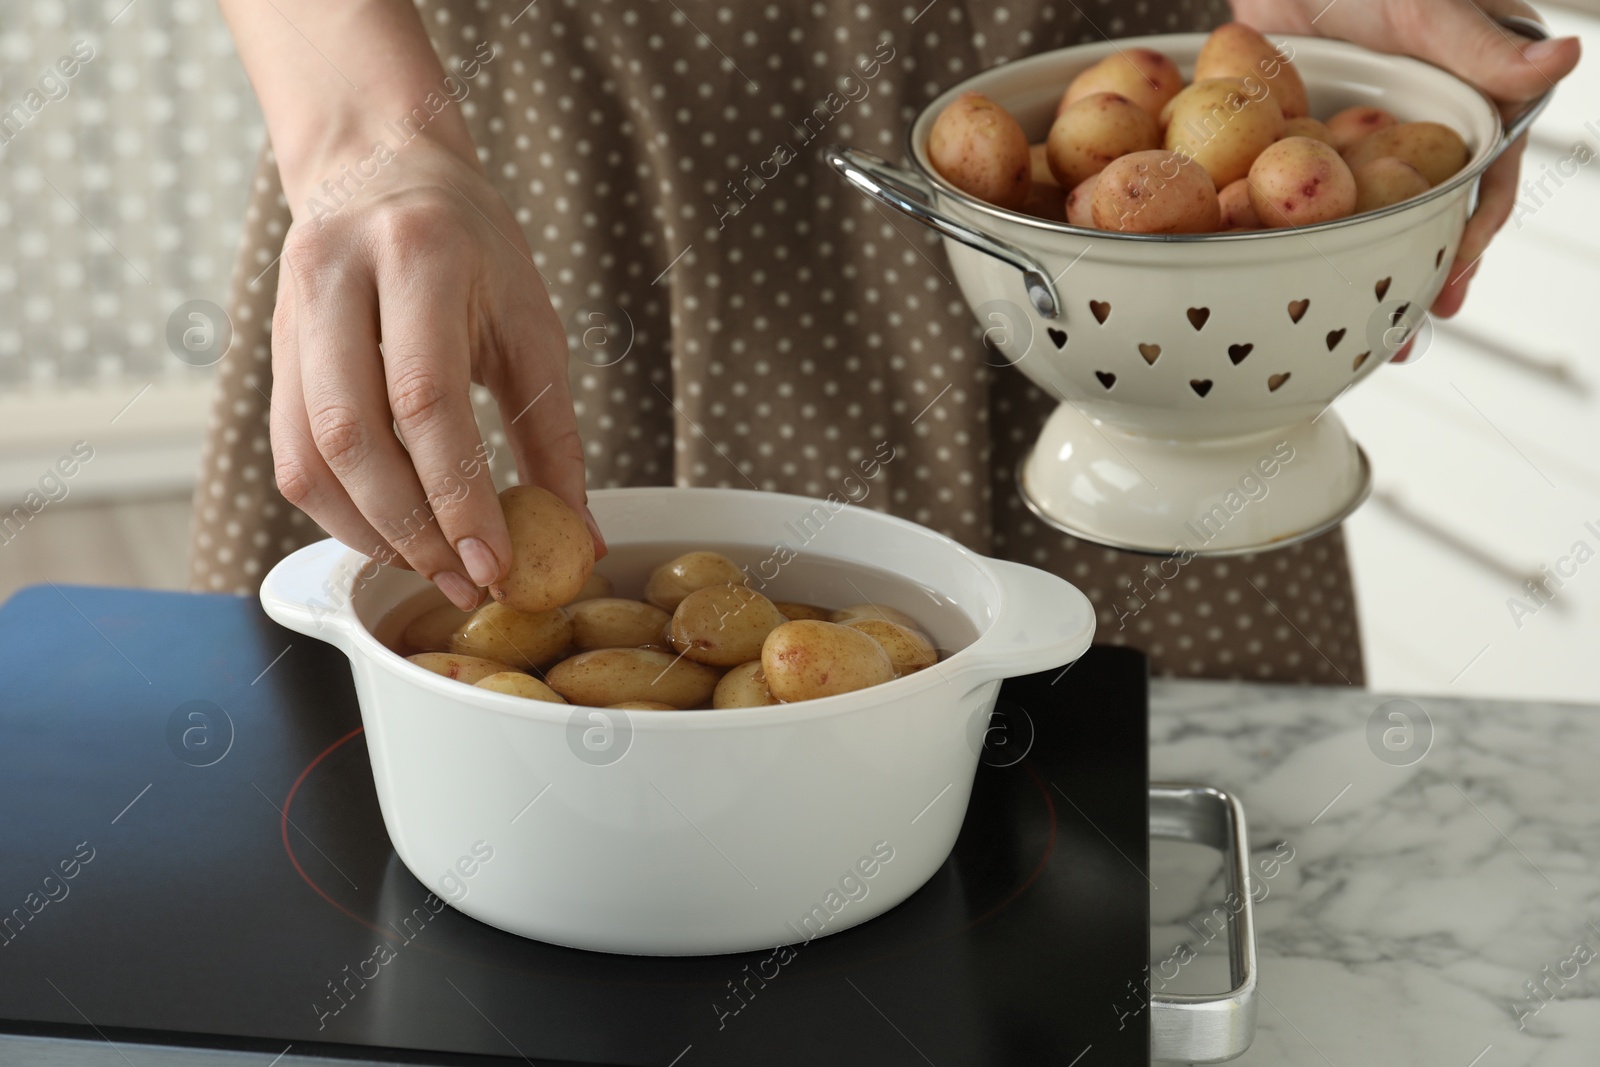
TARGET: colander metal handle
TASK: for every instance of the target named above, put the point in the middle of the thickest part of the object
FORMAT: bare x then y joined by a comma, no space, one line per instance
1518,126
908,194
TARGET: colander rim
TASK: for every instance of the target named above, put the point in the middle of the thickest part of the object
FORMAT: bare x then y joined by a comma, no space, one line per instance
1486,155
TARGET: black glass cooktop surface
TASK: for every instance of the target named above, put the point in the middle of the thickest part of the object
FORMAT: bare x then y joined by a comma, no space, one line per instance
191,854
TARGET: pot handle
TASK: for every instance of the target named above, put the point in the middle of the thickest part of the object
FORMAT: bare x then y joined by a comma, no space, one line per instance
1044,622
910,195
1196,1027
309,590
1537,31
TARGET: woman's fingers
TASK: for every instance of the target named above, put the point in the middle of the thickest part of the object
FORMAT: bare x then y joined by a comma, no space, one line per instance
536,406
1467,41
424,291
1497,196
301,473
347,406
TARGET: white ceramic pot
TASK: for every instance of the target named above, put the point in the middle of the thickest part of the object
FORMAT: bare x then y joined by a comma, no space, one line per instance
1188,366
688,832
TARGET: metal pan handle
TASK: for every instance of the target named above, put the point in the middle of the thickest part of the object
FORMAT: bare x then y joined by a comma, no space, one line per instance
1518,126
1209,1028
911,196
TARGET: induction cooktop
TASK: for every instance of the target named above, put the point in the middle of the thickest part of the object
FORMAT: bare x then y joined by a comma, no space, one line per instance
195,871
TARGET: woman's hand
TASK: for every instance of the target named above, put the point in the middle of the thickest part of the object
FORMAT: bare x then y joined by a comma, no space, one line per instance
1464,38
379,445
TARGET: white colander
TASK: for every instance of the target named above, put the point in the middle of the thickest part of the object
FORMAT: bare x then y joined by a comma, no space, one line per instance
1195,371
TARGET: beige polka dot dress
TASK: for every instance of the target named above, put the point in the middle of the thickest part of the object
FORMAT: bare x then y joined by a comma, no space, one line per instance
663,160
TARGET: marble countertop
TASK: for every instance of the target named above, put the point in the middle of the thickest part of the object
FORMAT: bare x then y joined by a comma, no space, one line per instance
1429,884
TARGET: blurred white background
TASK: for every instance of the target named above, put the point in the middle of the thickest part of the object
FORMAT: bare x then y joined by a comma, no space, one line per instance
122,199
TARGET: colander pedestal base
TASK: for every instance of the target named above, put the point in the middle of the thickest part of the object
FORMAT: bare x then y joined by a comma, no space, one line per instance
1224,497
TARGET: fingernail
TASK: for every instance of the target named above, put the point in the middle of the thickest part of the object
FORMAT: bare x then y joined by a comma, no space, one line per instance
481,563
1539,51
462,593
594,528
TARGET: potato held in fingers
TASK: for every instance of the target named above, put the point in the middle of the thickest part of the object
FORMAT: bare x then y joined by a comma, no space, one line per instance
552,551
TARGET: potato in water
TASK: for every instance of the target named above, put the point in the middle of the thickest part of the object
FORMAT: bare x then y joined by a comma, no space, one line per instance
610,676
807,660
468,669
597,586
430,631
518,684
677,578
552,551
743,687
873,611
723,625
523,640
613,622
909,648
980,149
791,611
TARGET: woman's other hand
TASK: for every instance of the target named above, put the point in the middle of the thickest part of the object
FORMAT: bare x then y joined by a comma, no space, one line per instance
1463,38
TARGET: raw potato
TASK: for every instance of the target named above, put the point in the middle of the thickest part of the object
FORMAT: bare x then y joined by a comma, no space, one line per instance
1080,202
642,705
909,649
1156,192
1435,150
430,631
520,685
1223,126
724,625
1353,123
1093,131
610,676
523,640
1143,75
874,611
597,586
791,611
1039,165
469,669
677,578
613,622
1234,50
1386,180
552,551
1309,127
808,659
743,687
979,148
1299,182
1237,211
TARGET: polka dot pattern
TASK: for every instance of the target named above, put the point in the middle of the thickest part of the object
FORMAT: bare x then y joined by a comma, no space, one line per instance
784,329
